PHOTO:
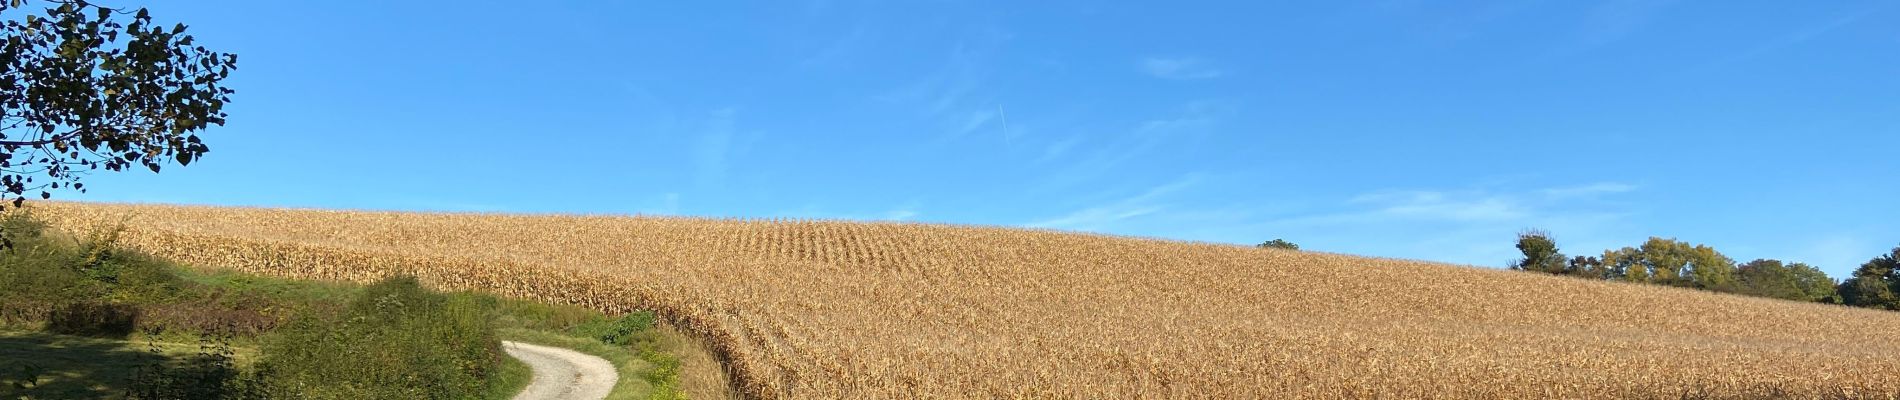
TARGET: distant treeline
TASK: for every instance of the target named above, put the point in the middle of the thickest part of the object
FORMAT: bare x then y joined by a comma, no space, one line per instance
1660,261
1676,263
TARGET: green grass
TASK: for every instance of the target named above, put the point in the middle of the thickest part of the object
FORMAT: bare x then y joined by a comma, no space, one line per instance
395,339
646,370
510,379
639,353
74,367
300,329
281,290
631,368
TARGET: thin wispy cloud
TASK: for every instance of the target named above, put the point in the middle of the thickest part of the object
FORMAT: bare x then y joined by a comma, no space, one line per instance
963,72
1594,189
1472,226
1436,205
1612,21
937,91
1102,217
837,51
954,99
972,122
1193,117
1182,68
906,211
1453,23
1193,120
413,203
666,204
1058,148
718,144
1792,39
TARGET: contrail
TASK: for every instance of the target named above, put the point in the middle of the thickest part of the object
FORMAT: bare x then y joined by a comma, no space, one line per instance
1005,118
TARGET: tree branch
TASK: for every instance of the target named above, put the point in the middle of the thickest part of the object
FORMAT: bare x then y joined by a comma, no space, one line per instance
42,142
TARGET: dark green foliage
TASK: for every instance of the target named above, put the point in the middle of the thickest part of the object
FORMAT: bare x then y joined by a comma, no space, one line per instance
82,287
1588,267
27,377
395,340
665,373
39,270
390,340
1540,253
619,331
1772,278
1278,244
210,374
1677,263
636,330
93,319
1672,262
84,88
1875,284
92,287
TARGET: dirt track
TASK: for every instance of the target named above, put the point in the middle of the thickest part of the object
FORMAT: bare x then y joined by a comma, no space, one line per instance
562,374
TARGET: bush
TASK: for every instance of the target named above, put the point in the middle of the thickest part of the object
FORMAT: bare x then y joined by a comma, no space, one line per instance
1278,244
38,269
93,319
86,287
395,340
620,331
211,374
636,330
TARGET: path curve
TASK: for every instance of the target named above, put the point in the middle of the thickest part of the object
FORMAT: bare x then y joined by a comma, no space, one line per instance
562,374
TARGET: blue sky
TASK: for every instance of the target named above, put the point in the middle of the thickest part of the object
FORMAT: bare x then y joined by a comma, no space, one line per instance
1417,129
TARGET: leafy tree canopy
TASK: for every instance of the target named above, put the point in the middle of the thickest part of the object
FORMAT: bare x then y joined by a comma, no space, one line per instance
1791,281
1540,253
1278,244
1673,262
85,87
1875,284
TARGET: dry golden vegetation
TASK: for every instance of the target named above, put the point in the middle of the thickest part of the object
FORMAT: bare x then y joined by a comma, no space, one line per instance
805,309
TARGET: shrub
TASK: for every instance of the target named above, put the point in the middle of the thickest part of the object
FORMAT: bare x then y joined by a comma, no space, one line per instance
1278,244
210,374
619,331
37,269
87,287
395,340
93,319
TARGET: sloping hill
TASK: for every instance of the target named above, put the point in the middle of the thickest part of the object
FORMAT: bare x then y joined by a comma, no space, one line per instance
806,309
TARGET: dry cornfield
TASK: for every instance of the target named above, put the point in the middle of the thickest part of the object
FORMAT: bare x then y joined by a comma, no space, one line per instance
824,309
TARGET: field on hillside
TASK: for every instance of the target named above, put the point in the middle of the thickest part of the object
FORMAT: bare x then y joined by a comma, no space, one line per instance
878,310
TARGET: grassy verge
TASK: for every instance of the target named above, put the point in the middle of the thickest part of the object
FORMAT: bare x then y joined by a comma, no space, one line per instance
38,365
629,367
147,326
629,342
510,378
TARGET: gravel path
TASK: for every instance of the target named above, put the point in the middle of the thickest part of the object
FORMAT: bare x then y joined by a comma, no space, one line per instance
562,374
